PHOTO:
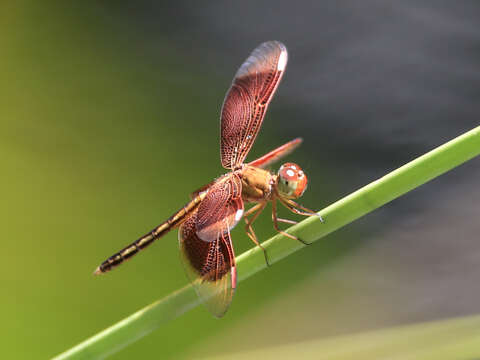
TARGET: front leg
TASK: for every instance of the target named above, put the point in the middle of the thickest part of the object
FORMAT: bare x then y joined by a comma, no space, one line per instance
292,206
276,220
255,210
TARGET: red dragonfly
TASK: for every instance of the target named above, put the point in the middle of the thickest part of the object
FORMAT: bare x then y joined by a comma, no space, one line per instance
205,222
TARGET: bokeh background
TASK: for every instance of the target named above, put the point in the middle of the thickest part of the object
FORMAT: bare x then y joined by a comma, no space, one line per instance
109,118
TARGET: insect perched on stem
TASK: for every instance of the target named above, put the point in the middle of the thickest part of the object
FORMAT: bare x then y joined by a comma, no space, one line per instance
205,222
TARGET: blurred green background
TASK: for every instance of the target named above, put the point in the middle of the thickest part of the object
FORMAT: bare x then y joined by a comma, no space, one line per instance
109,118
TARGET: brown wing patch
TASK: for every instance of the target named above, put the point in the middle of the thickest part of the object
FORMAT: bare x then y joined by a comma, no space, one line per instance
221,209
206,246
210,266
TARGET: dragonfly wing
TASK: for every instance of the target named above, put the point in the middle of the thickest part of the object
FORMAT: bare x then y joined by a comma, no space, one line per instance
221,209
247,100
210,267
206,247
275,155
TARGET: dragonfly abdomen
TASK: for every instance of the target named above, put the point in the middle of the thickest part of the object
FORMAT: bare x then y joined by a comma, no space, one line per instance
172,222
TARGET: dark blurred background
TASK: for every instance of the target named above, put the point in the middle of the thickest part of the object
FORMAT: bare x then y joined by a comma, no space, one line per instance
109,118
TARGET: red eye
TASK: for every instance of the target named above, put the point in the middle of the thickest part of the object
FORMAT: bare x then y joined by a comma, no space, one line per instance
293,181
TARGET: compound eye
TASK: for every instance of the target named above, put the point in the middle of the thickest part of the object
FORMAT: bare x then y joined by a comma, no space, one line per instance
292,181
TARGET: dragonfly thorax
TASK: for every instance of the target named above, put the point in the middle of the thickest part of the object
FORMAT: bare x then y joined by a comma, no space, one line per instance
256,184
291,181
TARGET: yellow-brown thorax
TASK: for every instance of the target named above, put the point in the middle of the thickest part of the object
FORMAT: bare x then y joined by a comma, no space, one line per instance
257,184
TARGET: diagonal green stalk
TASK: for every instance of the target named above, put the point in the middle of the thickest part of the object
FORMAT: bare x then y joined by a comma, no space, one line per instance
340,213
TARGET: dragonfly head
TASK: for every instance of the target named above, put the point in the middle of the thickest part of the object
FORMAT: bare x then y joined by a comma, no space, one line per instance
291,181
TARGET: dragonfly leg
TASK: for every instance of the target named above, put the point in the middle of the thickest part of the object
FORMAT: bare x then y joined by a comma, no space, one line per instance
276,220
253,209
287,221
292,206
256,210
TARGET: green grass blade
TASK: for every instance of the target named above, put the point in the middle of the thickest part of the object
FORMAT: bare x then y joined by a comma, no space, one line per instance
342,212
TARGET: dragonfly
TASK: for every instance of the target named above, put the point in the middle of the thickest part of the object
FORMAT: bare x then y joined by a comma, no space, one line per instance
205,222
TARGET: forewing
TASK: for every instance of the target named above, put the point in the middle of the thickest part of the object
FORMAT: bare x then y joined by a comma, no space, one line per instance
221,209
210,266
206,246
275,155
247,100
